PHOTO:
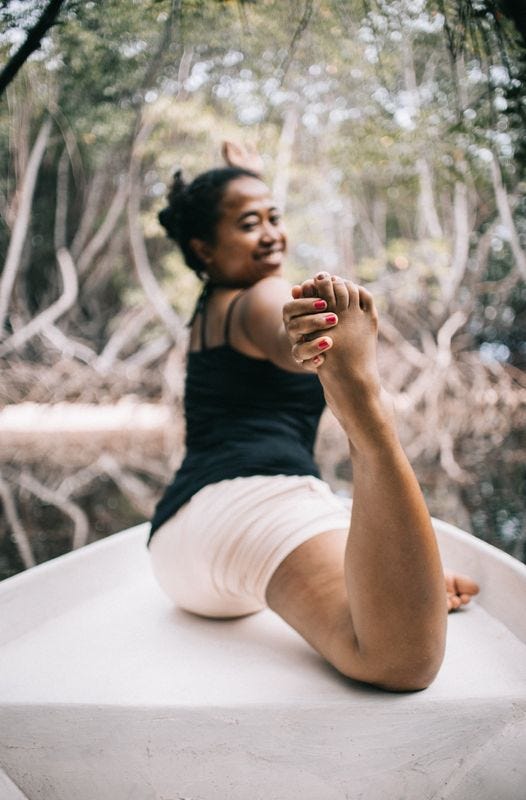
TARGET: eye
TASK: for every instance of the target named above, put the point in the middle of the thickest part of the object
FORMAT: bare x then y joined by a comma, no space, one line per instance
275,219
249,223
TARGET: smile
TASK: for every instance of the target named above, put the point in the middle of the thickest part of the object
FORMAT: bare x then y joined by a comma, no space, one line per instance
266,253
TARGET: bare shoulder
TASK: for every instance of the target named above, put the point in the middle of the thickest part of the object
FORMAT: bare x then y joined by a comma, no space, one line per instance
260,321
261,307
268,293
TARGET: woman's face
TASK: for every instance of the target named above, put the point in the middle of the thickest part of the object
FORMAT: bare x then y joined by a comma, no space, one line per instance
250,240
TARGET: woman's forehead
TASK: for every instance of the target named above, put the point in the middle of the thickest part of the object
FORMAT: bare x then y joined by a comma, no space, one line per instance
246,191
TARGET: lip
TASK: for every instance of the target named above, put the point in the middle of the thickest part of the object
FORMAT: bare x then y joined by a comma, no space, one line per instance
266,254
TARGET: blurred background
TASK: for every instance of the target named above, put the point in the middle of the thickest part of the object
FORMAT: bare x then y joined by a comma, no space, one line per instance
393,134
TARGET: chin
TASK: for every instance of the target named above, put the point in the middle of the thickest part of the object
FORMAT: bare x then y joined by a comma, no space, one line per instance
272,263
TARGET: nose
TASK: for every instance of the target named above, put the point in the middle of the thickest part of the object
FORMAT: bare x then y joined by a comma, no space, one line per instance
269,232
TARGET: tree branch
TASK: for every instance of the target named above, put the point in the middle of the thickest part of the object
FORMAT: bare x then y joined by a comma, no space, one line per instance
61,206
21,224
61,501
32,43
506,216
102,235
291,51
20,537
129,327
147,279
54,311
459,257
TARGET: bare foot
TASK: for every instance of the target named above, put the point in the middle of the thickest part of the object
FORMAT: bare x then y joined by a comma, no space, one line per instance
349,374
460,589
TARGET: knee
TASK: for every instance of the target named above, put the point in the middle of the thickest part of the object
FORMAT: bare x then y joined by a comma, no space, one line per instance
409,674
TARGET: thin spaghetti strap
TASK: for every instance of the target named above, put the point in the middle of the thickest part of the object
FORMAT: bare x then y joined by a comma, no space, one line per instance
200,308
228,317
203,322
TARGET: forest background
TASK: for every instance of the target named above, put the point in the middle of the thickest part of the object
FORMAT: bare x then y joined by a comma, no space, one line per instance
392,133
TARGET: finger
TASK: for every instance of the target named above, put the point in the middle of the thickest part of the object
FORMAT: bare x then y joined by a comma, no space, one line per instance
310,325
313,364
301,306
303,351
296,292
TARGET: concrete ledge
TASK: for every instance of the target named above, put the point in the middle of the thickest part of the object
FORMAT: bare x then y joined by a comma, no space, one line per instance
108,692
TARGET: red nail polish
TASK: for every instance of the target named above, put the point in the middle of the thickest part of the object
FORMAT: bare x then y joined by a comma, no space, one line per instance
320,304
323,345
330,319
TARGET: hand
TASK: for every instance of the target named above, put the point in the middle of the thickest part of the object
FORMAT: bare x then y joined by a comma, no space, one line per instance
243,156
305,318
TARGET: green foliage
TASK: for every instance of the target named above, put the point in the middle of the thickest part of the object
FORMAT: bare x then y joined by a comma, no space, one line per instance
376,89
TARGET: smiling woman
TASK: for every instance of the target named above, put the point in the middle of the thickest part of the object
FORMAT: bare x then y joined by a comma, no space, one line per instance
249,241
247,522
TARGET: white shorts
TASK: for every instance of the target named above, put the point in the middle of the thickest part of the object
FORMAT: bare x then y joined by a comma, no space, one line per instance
217,554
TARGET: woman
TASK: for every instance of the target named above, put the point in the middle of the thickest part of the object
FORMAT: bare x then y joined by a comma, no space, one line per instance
246,522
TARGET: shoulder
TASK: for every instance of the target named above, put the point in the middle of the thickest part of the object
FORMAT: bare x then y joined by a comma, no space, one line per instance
267,295
258,316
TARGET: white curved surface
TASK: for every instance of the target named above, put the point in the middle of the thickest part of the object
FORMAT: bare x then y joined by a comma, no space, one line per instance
108,692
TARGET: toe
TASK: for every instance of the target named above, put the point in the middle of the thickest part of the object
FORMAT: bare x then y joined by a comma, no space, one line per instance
354,294
460,584
341,294
460,589
324,289
308,288
366,299
453,602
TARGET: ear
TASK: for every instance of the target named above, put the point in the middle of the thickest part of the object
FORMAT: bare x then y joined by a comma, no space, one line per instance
202,250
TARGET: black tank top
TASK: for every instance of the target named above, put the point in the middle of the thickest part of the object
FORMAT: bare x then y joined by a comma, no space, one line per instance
244,416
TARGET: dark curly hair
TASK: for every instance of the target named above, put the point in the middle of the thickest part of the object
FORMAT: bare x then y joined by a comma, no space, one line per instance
194,209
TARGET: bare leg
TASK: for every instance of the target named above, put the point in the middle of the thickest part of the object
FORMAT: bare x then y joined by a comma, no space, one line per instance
459,588
366,616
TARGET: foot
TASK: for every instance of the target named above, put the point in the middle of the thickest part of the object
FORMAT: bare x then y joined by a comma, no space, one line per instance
459,589
349,373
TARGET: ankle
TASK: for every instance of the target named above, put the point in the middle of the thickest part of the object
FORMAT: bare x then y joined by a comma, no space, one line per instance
376,432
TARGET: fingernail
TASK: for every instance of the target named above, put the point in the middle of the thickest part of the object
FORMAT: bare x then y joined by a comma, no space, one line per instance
316,360
321,275
330,319
323,345
320,304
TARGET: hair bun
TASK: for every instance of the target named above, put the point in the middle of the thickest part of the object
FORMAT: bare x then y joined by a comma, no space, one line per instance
177,189
170,217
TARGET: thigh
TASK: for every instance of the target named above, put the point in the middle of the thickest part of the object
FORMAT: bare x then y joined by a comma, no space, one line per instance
308,591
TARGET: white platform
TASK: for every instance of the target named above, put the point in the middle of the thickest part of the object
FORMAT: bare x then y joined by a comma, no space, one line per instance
106,692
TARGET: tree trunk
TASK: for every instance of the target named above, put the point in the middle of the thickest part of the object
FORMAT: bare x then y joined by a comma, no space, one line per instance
21,225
